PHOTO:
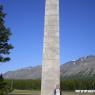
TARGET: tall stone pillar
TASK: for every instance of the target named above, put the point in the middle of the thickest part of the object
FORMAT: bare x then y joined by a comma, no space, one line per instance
51,56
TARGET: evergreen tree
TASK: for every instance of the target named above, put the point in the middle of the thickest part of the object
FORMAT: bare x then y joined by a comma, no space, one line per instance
5,33
5,47
3,87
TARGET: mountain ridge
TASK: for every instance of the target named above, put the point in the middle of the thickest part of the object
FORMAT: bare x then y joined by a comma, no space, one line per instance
84,66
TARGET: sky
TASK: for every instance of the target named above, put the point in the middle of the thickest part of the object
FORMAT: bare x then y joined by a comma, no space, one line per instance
25,18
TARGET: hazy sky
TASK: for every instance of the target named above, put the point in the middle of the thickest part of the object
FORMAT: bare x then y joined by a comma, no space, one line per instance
26,21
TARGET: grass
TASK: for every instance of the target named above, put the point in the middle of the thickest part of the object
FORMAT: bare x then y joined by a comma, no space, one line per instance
73,93
16,91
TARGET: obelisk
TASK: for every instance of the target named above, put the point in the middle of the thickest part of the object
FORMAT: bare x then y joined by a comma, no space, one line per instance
51,56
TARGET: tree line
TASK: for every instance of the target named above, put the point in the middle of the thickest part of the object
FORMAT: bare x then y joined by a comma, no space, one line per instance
64,84
24,84
77,84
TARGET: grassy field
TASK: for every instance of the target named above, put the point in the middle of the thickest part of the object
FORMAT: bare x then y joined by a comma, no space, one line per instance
73,93
38,92
25,92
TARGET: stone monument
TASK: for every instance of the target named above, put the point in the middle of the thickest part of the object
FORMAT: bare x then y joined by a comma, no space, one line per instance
51,56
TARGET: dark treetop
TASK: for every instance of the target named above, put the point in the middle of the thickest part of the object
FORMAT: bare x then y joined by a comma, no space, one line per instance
5,33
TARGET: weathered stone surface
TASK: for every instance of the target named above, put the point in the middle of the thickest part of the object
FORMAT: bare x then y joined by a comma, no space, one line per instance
51,66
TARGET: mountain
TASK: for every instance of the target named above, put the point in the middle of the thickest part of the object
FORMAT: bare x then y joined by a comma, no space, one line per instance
25,73
84,66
